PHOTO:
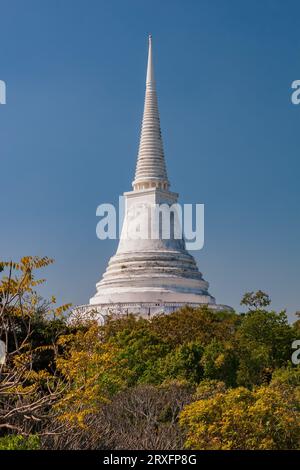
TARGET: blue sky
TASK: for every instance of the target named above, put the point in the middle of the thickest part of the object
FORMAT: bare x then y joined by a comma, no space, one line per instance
75,73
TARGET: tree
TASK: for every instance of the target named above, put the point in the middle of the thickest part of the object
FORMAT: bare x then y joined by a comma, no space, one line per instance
28,386
138,346
220,362
94,371
256,300
263,343
199,324
169,346
146,417
139,417
182,363
266,418
296,325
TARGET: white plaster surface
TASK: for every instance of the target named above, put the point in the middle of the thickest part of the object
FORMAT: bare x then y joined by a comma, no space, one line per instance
147,276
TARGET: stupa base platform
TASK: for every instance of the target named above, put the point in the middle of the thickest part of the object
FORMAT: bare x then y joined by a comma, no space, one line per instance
145,310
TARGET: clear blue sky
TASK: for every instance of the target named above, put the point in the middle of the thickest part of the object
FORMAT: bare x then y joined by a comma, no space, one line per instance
75,74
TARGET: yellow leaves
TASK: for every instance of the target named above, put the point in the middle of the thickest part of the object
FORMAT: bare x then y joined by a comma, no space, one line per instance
23,359
19,278
34,262
220,360
9,264
62,309
20,390
34,300
266,418
27,265
91,368
63,340
38,282
18,287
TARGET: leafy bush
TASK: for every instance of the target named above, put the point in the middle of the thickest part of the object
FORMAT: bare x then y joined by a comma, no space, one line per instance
268,417
18,442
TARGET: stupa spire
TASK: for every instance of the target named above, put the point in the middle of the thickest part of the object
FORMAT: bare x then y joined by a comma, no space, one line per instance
151,167
150,68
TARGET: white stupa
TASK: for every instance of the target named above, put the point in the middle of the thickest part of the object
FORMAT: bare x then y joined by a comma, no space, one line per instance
149,276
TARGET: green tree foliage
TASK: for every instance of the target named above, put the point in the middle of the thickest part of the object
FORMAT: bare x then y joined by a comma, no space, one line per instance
182,363
201,324
139,347
256,300
264,343
171,346
220,362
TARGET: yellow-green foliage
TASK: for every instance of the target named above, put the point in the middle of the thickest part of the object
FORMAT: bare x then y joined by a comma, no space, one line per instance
18,442
268,417
77,378
28,383
90,367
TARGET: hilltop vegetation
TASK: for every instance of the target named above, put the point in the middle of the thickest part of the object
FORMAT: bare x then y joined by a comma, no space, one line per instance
193,379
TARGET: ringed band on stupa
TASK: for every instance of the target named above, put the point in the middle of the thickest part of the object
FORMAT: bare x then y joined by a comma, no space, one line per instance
149,276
